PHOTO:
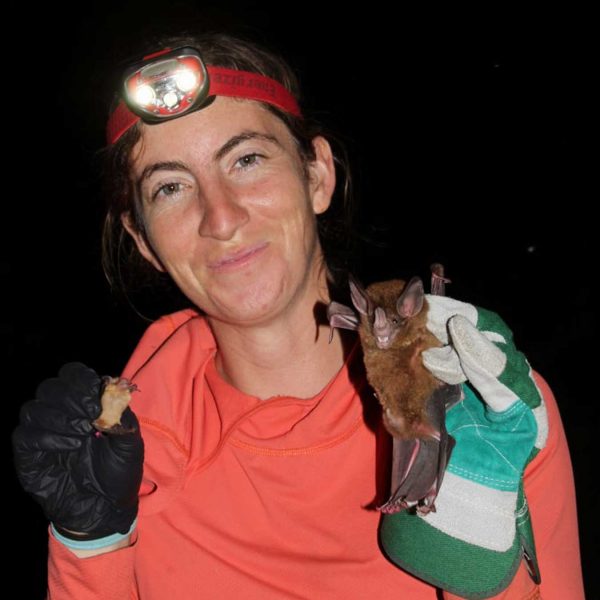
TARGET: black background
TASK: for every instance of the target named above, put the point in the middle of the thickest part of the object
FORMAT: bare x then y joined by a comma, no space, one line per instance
468,133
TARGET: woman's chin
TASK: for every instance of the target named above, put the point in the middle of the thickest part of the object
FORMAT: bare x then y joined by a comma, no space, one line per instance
257,302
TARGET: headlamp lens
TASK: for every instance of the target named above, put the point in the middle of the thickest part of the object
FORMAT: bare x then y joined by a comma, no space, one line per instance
168,86
186,80
145,95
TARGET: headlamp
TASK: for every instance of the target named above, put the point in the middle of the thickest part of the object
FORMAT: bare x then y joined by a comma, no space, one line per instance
166,85
173,83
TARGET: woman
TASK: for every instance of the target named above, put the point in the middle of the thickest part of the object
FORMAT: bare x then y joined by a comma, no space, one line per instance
260,438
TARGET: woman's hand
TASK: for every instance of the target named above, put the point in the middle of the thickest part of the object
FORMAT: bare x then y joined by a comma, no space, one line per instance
86,482
474,541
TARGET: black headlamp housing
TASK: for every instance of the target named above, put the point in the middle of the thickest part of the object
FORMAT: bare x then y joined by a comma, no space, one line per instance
166,85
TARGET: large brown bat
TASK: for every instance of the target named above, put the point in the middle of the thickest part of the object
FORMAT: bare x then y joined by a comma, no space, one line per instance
392,330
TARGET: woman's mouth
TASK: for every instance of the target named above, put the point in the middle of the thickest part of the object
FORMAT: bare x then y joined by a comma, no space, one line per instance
240,258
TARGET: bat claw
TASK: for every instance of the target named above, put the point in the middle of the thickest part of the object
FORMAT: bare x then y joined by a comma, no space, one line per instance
391,507
120,382
125,384
427,506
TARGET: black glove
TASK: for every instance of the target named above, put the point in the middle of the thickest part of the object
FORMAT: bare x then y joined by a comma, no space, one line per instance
85,481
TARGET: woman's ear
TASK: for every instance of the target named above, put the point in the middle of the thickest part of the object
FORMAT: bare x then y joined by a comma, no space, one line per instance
321,175
140,241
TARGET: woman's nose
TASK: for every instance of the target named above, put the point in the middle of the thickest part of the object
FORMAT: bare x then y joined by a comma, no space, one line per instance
223,214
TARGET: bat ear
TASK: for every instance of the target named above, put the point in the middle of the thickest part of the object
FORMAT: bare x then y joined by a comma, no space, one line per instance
360,298
411,299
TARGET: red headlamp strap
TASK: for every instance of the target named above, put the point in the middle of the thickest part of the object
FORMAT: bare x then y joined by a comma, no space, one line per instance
229,82
223,82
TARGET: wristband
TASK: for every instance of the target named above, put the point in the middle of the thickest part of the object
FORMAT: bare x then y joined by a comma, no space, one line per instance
91,544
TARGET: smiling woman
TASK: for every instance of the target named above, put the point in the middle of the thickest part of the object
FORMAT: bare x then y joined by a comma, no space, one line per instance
237,236
251,456
121,260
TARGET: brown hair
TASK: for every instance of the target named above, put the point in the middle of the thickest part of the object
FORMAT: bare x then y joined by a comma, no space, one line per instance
125,269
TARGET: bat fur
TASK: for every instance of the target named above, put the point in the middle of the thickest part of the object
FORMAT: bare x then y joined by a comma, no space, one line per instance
393,334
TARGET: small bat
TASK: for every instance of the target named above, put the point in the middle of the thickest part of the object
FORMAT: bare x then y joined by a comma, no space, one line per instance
393,333
114,400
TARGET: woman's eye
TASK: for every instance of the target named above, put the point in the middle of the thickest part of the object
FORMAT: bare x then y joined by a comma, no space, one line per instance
168,189
248,161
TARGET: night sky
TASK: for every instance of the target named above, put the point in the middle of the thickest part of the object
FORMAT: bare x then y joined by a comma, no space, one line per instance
467,134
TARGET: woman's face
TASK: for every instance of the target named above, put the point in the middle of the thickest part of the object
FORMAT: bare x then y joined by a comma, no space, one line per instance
229,213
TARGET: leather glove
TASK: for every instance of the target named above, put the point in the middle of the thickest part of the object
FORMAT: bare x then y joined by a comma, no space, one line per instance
86,482
474,542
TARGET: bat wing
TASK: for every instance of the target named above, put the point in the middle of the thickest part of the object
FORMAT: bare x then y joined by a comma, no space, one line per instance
342,316
418,465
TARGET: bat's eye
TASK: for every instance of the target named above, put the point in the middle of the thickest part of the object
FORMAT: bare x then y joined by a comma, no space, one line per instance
395,320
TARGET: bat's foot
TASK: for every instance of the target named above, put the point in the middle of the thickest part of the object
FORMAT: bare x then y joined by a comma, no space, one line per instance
427,505
391,508
422,507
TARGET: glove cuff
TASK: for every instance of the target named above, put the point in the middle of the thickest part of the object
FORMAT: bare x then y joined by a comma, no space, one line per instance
462,567
89,541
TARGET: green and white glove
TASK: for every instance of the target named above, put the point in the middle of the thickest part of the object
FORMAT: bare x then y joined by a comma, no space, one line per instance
473,543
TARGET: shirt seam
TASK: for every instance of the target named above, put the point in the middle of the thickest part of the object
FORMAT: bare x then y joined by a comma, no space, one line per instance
309,450
166,431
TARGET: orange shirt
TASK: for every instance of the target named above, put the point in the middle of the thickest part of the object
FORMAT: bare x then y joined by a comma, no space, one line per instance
271,499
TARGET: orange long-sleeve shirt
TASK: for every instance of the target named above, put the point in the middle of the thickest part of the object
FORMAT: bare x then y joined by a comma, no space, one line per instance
244,498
